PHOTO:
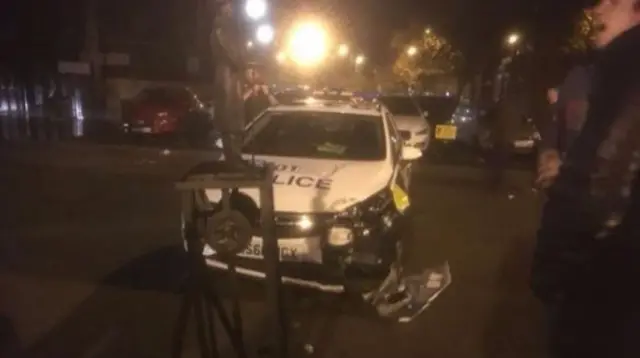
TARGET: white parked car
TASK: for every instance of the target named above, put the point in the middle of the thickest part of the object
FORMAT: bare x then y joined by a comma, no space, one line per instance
410,118
340,191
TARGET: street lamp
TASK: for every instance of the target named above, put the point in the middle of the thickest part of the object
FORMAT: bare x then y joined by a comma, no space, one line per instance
427,31
264,34
343,50
360,60
249,44
412,51
256,9
513,39
308,44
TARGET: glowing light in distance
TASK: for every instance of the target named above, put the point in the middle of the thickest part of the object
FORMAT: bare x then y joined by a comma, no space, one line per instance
308,44
513,39
256,9
343,50
265,34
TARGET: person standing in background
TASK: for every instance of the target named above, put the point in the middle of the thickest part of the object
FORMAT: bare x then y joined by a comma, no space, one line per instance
257,96
586,262
569,110
504,120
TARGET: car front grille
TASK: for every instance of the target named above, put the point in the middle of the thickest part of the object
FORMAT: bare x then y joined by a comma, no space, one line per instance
288,224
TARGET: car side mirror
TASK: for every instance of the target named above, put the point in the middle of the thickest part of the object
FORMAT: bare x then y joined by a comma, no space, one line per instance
411,153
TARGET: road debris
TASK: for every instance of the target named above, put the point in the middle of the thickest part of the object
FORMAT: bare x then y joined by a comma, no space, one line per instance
405,298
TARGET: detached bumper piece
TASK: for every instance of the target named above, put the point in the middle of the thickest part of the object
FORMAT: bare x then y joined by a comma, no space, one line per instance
311,276
405,298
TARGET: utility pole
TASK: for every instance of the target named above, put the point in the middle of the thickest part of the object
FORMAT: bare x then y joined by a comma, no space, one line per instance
228,54
92,53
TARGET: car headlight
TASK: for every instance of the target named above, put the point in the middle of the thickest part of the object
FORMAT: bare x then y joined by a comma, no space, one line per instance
340,236
304,223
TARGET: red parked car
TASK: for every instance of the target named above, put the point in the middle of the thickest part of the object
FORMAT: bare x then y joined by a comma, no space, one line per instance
168,110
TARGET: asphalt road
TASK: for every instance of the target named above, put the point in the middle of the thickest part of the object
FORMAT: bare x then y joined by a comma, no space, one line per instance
91,264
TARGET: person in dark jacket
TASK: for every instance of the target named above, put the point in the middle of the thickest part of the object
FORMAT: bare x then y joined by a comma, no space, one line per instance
586,262
569,114
257,96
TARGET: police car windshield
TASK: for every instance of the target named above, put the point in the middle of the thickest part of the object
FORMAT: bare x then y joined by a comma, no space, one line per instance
400,105
317,135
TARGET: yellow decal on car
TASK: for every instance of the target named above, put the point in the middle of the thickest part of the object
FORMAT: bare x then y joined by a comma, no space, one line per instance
400,198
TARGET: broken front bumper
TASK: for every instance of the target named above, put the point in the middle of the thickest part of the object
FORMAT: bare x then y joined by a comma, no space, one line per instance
311,261
359,267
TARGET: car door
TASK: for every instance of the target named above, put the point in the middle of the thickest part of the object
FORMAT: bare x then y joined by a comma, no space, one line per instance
402,168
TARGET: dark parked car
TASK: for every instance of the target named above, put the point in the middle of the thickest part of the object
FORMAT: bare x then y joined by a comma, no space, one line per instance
168,111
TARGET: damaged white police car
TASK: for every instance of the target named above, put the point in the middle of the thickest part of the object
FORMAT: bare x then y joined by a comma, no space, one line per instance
340,191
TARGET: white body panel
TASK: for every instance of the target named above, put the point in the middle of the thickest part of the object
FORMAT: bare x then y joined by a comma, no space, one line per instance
307,185
418,127
303,185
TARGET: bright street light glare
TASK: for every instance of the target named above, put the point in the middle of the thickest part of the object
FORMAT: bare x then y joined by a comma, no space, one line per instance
427,31
359,60
256,9
343,50
264,34
308,44
412,51
250,44
513,39
281,57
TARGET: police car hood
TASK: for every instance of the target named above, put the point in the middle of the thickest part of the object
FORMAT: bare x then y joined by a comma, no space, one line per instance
303,185
410,123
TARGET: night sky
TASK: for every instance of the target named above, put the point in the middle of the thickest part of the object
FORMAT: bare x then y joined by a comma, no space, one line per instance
472,24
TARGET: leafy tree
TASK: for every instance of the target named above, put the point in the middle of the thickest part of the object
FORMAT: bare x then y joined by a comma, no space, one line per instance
581,38
432,54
